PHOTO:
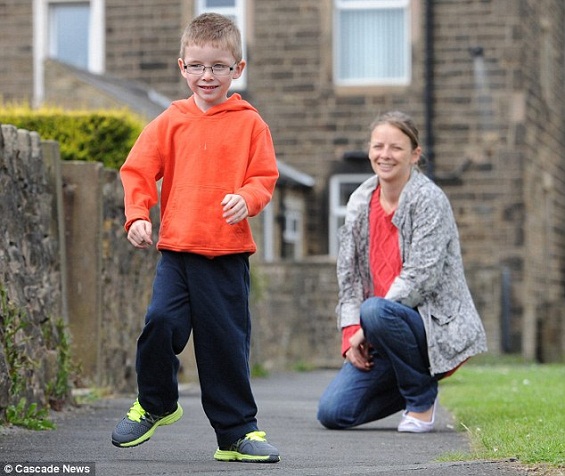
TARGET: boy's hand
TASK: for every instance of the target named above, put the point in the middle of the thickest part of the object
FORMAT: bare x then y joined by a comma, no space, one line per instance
139,234
235,208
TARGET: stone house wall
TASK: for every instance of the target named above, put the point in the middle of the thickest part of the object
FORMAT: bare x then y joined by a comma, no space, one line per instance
540,74
509,121
143,42
498,125
16,38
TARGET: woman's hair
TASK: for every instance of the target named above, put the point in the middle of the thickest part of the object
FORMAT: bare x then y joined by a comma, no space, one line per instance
215,30
401,121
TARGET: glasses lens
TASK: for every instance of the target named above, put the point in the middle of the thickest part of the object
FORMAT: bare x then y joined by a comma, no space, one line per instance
217,69
194,68
220,69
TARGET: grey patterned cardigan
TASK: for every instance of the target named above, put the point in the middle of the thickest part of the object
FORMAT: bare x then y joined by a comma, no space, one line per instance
432,279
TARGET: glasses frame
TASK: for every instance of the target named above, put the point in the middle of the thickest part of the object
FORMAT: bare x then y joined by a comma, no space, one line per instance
211,68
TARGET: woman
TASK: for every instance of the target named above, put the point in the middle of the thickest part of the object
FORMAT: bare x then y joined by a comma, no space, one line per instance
406,313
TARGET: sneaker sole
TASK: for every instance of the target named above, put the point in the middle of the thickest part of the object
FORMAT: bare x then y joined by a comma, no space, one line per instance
224,455
168,420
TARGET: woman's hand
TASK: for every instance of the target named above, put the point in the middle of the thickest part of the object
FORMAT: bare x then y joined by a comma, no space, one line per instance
359,353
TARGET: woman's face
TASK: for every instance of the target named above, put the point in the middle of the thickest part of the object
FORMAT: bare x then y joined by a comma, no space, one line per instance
391,154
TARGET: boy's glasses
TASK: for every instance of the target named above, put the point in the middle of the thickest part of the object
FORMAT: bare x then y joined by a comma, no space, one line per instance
217,70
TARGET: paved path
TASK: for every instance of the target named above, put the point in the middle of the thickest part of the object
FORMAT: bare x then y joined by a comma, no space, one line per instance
287,411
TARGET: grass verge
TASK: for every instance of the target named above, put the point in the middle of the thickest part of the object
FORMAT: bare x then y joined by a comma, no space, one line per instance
510,411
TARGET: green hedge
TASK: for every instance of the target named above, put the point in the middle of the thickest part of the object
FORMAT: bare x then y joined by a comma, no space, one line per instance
94,136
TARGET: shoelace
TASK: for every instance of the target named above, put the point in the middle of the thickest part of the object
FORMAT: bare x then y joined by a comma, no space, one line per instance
136,412
256,436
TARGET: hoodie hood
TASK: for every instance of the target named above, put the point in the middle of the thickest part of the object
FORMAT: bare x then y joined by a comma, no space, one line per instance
234,103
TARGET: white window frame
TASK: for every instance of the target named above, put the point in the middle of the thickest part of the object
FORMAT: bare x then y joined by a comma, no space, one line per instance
338,209
268,233
293,226
238,12
341,6
41,39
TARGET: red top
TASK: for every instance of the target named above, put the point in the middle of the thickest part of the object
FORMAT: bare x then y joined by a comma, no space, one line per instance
384,256
384,250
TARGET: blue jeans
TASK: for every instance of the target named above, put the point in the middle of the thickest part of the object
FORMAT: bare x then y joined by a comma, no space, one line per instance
210,299
399,379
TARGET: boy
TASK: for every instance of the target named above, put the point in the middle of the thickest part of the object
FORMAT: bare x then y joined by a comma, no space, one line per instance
217,163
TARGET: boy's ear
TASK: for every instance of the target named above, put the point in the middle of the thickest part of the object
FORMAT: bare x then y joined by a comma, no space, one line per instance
181,66
238,71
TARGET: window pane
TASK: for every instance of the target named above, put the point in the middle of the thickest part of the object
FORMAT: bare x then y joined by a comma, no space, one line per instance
69,23
219,3
372,44
345,191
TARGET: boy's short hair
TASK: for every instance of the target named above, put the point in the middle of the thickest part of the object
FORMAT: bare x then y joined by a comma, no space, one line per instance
213,29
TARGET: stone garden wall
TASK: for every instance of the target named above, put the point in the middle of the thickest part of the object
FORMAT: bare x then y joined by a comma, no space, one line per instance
64,258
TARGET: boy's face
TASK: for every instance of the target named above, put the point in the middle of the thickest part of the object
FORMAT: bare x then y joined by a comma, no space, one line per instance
209,88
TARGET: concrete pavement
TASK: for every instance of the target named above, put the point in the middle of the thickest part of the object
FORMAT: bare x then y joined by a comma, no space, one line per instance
287,412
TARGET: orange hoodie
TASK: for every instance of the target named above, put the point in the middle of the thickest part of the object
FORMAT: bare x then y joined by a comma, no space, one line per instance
201,157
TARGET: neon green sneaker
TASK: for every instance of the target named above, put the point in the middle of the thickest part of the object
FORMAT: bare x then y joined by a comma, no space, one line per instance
252,448
138,425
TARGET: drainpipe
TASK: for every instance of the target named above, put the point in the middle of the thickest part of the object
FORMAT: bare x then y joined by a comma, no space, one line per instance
429,88
281,218
505,309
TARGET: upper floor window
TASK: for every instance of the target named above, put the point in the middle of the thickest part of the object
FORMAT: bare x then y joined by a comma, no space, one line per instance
372,42
234,9
71,31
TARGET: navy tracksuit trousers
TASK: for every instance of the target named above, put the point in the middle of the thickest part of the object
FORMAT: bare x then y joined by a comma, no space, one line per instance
210,299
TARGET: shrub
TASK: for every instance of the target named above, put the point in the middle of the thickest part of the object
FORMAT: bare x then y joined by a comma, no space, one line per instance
94,136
